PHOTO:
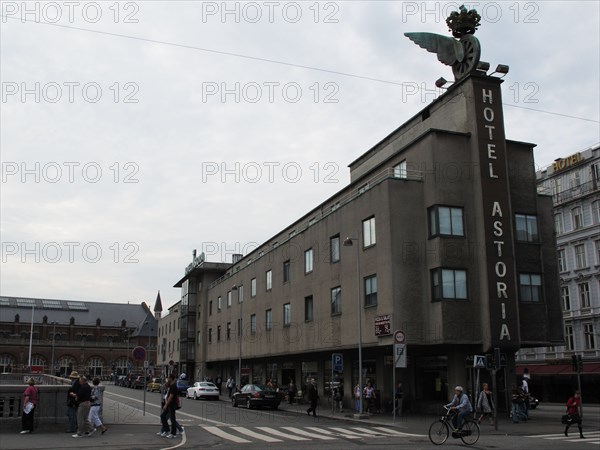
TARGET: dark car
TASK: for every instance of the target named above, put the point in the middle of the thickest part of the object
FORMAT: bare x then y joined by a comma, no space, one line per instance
182,387
139,382
256,396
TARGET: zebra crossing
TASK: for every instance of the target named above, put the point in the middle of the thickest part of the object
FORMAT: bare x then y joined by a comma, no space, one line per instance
591,437
246,435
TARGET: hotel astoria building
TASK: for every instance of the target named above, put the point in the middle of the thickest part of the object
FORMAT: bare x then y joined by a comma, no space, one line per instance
450,243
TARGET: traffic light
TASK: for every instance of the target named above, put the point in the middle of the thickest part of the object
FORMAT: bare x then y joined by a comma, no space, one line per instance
497,358
574,362
577,363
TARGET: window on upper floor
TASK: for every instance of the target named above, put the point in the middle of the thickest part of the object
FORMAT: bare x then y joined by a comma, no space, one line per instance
562,260
369,235
580,256
334,248
446,221
526,227
371,290
400,170
286,271
577,216
565,296
269,279
530,287
449,284
559,224
308,261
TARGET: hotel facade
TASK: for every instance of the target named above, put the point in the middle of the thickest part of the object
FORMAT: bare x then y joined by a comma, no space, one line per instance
450,243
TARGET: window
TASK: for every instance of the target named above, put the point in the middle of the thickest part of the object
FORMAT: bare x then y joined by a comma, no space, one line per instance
268,320
580,259
400,170
584,295
269,279
308,260
228,330
336,300
229,299
210,308
219,304
569,337
219,333
577,215
449,284
334,248
253,324
287,315
209,335
565,295
253,287
597,244
526,226
308,308
562,260
446,221
239,327
558,223
369,232
557,185
575,179
596,212
286,271
371,290
240,293
588,336
530,287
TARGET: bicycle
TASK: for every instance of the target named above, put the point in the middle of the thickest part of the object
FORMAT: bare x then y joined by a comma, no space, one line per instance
439,431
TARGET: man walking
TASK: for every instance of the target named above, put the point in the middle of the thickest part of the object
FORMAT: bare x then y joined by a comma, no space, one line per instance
313,397
84,397
168,410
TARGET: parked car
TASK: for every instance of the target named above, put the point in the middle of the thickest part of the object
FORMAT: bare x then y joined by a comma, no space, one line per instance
155,384
256,396
203,389
121,380
139,382
182,386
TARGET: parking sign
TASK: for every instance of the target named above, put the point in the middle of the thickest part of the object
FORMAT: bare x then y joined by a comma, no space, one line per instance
337,362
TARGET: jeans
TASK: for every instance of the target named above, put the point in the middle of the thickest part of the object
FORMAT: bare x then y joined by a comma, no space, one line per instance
459,419
165,416
72,415
518,412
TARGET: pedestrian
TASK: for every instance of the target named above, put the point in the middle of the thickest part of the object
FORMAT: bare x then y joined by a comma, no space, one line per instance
574,414
84,397
269,383
168,410
313,397
369,392
291,391
163,395
338,398
357,398
398,398
72,401
518,400
485,404
30,398
219,384
96,404
526,396
229,385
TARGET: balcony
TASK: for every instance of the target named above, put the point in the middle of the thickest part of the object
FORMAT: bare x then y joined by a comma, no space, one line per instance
575,192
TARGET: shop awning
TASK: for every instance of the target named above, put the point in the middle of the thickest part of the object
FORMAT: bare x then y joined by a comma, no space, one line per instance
558,369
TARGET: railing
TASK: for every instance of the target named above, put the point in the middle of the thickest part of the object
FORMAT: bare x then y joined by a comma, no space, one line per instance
575,192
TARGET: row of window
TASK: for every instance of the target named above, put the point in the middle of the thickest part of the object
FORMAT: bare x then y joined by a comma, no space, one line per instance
589,338
577,218
583,292
168,327
580,257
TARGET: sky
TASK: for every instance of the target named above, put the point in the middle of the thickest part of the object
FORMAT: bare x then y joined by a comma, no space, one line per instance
134,132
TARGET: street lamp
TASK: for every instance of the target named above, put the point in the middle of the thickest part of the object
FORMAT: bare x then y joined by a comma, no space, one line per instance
348,242
53,341
146,365
240,334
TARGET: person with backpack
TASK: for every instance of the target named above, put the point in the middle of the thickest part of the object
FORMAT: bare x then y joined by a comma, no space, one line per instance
30,399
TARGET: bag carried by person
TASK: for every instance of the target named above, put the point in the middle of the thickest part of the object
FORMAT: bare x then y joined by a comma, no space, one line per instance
565,419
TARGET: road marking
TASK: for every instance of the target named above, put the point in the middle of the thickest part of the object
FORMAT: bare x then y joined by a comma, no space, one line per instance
368,431
348,432
397,433
331,433
222,434
278,433
183,441
179,413
307,434
246,432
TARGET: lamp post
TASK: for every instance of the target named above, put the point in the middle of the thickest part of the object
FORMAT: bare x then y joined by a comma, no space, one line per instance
146,366
240,334
348,242
53,341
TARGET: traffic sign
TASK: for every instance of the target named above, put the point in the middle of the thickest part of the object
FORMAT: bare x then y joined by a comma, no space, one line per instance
479,361
400,356
337,362
399,337
139,353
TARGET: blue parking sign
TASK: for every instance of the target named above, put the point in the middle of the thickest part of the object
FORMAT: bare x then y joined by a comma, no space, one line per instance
337,362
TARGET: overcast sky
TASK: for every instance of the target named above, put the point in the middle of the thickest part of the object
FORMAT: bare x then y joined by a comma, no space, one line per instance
118,121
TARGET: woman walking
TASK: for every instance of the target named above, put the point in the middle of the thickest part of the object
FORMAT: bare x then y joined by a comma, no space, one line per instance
485,404
574,413
96,403
30,398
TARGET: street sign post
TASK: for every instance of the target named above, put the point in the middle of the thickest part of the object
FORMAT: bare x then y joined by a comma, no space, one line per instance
337,362
479,361
399,361
139,353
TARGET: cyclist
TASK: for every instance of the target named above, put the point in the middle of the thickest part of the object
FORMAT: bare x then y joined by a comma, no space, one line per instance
461,405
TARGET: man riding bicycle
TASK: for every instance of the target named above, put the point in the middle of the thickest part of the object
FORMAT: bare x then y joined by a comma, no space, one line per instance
461,405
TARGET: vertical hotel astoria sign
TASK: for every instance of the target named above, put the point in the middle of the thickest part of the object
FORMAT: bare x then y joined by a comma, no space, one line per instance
495,194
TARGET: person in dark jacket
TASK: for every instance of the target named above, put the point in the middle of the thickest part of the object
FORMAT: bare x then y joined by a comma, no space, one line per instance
574,412
313,397
72,402
84,398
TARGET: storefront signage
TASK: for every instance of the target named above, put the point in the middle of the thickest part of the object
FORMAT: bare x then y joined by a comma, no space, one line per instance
383,325
564,163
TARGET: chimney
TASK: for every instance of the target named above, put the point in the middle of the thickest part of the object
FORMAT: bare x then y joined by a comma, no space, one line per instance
235,258
193,255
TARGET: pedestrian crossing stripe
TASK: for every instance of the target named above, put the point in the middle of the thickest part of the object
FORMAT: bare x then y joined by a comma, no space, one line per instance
562,435
242,435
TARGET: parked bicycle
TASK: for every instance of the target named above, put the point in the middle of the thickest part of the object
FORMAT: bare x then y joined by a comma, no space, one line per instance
440,430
